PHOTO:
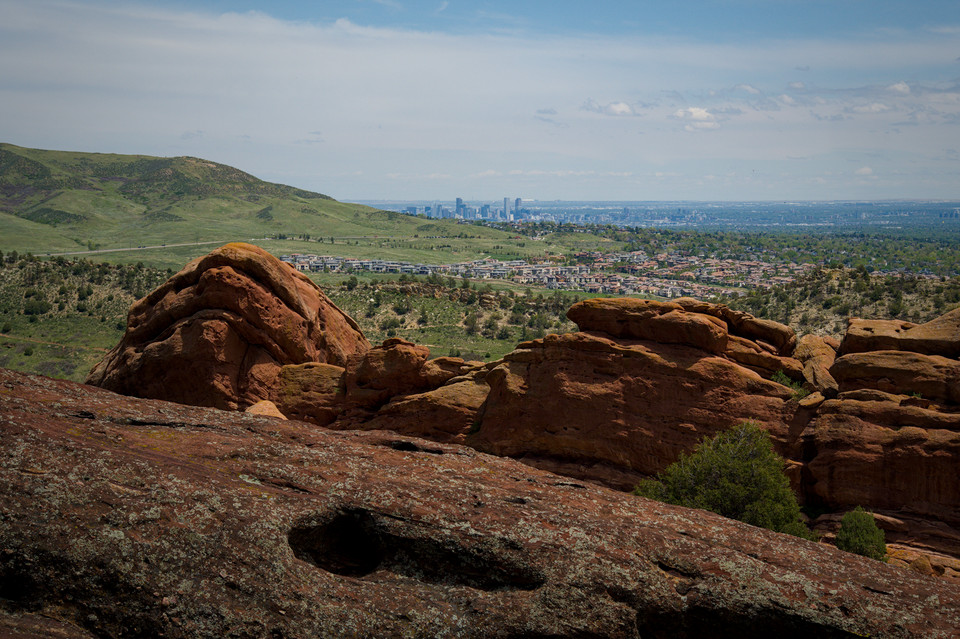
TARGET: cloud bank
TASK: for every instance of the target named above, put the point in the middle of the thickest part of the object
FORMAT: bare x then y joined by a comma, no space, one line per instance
372,112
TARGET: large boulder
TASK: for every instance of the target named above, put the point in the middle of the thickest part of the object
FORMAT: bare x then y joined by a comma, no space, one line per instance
131,517
664,322
780,336
217,333
940,336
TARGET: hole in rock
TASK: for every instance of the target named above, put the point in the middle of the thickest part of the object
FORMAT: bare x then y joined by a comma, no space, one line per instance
410,447
356,543
348,545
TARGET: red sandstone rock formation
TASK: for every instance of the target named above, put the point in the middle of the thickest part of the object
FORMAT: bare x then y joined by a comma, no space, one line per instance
618,410
643,382
130,517
218,331
931,376
817,355
940,336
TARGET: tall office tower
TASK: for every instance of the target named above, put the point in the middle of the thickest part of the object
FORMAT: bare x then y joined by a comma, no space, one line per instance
516,207
459,212
485,211
428,211
506,208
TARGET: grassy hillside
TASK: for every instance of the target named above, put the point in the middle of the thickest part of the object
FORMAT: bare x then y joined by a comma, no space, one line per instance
57,201
59,317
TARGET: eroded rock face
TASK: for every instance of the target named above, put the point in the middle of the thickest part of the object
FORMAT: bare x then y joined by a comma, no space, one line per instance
902,372
663,322
761,345
817,355
217,333
618,409
887,453
130,517
940,336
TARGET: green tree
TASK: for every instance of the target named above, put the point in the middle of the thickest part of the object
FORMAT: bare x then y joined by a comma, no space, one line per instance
859,534
735,474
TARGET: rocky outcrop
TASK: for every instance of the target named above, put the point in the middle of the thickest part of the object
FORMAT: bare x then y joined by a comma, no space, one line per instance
641,383
217,333
890,441
130,517
898,458
930,376
663,322
817,354
393,386
940,336
761,345
617,410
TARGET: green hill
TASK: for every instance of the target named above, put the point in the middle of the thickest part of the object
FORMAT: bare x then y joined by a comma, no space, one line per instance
57,201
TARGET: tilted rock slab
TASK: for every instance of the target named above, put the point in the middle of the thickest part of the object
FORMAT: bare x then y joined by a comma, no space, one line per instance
217,332
127,517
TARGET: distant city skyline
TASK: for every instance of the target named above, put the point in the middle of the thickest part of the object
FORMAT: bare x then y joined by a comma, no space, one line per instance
718,100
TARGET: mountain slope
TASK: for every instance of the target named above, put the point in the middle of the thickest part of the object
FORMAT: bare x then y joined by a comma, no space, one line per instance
58,201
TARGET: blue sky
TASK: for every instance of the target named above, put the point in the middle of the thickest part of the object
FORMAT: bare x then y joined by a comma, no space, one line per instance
395,99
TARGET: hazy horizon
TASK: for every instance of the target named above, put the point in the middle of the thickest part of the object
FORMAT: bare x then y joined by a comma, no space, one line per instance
379,100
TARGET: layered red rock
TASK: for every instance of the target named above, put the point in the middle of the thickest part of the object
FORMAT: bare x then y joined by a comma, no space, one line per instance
940,336
901,372
763,331
664,322
217,333
817,355
761,345
125,516
619,410
883,452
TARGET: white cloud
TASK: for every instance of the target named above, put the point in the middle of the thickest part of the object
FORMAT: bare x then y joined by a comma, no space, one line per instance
900,87
611,108
864,171
697,119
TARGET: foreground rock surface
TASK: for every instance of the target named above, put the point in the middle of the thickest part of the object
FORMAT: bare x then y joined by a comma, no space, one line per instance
217,332
126,517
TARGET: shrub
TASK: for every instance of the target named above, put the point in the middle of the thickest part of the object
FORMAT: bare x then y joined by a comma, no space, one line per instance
799,392
735,474
34,306
390,323
859,534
